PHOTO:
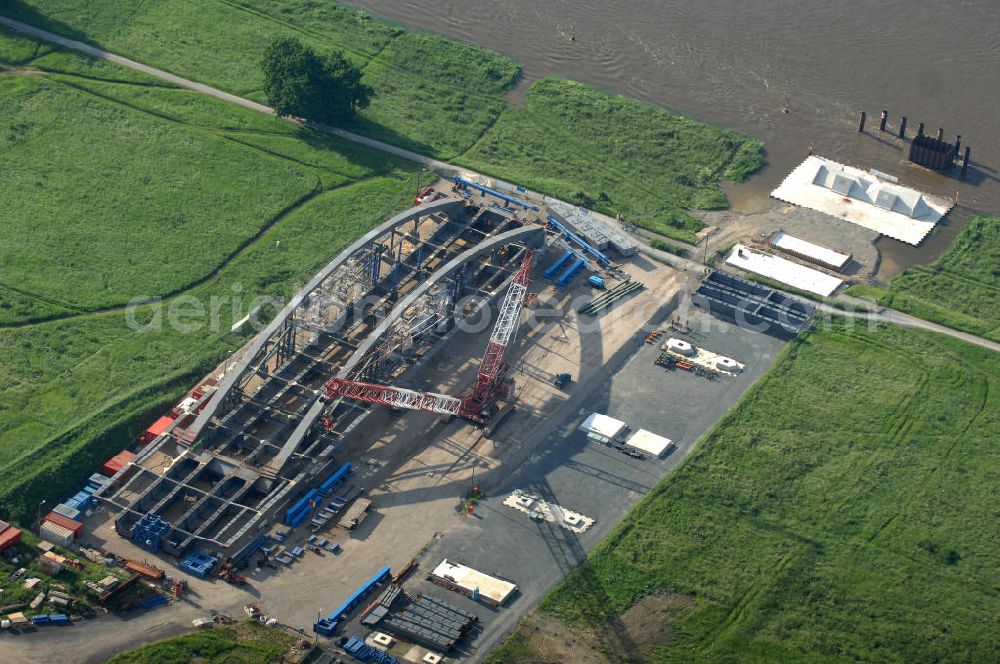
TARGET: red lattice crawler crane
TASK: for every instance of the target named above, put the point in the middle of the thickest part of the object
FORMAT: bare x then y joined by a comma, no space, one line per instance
492,382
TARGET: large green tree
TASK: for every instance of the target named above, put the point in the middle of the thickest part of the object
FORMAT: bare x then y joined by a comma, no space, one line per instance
300,82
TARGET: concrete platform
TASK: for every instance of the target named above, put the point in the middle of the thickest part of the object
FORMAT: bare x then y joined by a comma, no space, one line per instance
783,270
862,198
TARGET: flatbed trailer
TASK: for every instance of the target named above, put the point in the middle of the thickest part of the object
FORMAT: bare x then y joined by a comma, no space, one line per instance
355,514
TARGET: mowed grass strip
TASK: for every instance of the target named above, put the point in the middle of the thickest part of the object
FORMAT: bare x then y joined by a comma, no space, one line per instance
615,155
960,290
843,511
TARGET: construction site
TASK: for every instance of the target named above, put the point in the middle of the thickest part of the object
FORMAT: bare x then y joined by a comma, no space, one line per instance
421,437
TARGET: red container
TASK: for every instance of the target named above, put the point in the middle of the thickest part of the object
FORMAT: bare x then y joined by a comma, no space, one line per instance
65,522
116,463
159,426
9,538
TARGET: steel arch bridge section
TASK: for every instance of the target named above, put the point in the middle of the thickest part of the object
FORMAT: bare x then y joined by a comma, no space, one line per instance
531,236
301,299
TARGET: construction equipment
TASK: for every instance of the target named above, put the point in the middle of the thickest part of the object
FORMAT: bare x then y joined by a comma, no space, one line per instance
492,382
230,575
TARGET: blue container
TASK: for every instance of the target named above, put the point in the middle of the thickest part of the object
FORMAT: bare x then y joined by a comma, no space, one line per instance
559,264
58,619
40,620
595,281
159,600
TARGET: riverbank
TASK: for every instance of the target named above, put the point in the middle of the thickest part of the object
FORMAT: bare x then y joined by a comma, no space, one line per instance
443,99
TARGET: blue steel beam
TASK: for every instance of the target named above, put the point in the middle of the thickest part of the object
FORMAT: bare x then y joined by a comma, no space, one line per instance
462,183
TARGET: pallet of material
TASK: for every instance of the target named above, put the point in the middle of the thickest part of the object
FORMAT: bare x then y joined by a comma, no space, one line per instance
472,583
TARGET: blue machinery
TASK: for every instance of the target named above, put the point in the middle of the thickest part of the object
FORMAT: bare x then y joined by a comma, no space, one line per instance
325,626
559,264
462,183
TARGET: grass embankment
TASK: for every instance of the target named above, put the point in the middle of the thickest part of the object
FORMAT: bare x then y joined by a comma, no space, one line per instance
615,155
123,190
843,511
960,290
442,98
243,643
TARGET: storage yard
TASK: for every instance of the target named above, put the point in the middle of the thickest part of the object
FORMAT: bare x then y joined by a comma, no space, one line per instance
325,455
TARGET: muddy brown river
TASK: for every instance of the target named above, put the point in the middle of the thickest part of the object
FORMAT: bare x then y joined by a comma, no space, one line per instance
741,64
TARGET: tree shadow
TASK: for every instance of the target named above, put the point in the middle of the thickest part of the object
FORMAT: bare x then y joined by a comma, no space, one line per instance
25,13
319,137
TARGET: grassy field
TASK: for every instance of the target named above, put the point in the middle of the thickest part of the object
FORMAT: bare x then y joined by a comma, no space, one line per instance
116,190
960,290
106,179
433,95
442,98
843,511
642,161
243,643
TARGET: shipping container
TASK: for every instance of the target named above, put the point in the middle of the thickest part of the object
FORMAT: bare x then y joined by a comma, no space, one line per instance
158,427
53,532
117,462
9,537
70,524
67,511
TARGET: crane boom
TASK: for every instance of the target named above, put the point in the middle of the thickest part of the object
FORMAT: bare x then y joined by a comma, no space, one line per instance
493,368
394,397
490,379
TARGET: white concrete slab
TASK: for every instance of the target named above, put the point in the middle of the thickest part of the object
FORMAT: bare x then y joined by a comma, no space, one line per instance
602,425
469,579
537,508
817,252
862,198
783,270
650,443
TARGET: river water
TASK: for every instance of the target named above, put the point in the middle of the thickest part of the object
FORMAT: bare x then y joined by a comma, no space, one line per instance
741,64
